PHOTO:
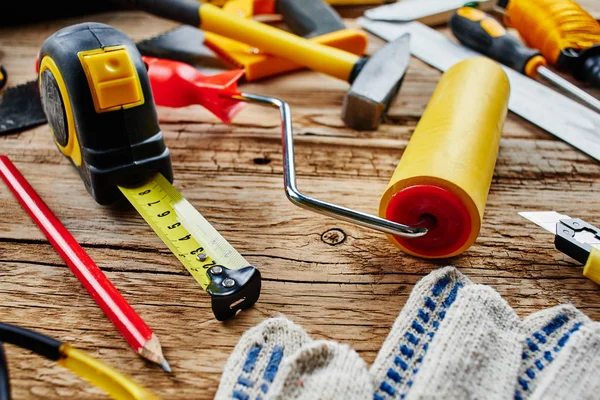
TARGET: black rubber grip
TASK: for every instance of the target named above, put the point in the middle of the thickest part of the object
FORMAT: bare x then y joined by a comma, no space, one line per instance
30,340
505,49
591,71
4,376
565,239
184,11
309,18
502,3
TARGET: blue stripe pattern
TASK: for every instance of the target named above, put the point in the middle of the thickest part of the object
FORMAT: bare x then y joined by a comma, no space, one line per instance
272,368
251,358
541,359
268,376
247,368
399,376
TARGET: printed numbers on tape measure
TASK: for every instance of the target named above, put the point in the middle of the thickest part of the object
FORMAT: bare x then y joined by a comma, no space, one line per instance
154,205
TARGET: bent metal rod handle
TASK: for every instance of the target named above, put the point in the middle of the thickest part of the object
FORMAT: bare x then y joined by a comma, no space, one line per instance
304,201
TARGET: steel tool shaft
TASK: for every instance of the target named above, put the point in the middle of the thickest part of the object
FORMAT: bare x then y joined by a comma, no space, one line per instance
480,32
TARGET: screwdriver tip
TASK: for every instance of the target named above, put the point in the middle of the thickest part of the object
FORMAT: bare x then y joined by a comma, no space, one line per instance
165,365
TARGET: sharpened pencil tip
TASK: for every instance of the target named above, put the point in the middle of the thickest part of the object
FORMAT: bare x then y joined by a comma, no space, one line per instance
165,365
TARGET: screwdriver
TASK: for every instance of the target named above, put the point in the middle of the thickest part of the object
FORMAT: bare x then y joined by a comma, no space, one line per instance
480,32
562,30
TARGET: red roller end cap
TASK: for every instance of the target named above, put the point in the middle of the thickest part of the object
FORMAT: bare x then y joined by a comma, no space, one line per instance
440,211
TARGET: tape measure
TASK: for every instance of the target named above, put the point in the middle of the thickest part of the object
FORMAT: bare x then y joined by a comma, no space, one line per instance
98,100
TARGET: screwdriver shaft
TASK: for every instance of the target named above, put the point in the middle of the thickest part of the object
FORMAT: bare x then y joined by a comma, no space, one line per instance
568,87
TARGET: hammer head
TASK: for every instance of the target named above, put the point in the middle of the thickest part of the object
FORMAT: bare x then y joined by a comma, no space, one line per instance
376,85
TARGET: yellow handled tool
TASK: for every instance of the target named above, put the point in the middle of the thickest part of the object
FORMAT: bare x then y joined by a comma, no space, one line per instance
334,62
574,237
312,19
566,34
375,80
116,384
480,32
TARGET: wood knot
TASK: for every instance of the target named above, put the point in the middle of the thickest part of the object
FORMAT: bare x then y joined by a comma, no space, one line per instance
333,237
262,161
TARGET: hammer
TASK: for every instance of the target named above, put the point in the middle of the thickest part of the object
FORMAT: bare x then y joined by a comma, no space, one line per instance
375,80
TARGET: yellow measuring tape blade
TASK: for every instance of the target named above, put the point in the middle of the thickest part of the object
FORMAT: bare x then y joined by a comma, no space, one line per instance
182,228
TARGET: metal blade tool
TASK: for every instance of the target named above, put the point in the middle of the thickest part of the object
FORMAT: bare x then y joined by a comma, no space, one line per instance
575,237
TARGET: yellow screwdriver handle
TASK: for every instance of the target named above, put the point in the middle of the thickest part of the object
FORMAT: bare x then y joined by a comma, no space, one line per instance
334,62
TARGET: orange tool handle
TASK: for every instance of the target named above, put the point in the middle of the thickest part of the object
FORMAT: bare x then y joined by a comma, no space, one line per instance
553,26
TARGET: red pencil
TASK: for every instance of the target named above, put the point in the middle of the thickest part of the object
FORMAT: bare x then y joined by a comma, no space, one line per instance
139,336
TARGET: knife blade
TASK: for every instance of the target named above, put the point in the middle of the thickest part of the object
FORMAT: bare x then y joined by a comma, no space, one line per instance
549,221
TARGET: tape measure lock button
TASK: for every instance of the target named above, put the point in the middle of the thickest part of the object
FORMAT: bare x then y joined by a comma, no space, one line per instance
112,77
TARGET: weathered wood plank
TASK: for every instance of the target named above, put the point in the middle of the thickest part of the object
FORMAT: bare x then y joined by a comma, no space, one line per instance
338,280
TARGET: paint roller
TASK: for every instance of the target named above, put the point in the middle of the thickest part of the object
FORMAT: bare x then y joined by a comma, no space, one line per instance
444,176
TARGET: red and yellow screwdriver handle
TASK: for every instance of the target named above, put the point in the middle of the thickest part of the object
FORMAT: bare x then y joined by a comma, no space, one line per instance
482,33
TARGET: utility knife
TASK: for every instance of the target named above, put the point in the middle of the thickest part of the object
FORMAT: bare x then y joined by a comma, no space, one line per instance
574,237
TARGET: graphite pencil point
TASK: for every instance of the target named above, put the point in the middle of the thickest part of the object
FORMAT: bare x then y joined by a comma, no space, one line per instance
165,365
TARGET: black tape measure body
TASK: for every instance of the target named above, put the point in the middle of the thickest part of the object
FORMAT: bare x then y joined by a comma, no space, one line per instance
98,100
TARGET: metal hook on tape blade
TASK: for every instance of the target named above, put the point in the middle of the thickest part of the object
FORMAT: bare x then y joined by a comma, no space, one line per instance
307,202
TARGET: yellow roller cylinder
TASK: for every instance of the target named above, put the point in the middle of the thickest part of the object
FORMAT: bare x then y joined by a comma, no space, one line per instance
443,178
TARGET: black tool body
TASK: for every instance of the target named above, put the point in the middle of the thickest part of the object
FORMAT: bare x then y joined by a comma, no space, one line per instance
114,143
478,31
309,18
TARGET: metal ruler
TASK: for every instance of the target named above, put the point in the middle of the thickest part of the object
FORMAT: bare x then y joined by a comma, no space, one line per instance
429,12
550,110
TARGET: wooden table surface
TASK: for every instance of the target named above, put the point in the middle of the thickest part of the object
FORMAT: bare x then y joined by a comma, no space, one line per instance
339,281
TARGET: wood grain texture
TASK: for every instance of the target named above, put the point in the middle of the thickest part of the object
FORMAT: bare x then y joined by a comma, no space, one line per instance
338,280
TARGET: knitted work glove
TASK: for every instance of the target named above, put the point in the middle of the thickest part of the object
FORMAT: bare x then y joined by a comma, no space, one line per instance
475,353
323,370
278,360
552,336
255,360
402,353
574,372
472,345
